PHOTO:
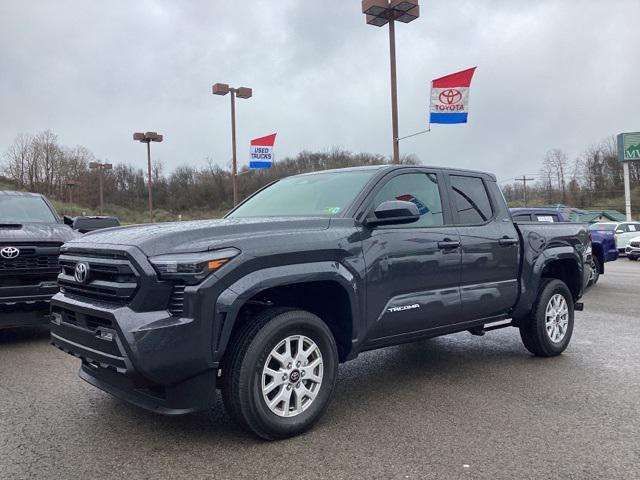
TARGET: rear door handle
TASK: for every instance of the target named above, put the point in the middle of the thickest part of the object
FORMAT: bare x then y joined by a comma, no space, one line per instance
448,244
506,241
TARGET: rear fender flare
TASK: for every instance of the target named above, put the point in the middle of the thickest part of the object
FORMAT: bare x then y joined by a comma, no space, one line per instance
531,285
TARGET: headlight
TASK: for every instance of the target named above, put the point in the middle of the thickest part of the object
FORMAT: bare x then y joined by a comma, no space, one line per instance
191,267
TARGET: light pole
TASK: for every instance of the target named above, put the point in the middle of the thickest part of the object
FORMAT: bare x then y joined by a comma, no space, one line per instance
148,138
101,167
241,92
379,13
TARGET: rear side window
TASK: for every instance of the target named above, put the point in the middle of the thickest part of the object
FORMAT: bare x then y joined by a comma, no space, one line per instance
418,188
471,200
633,227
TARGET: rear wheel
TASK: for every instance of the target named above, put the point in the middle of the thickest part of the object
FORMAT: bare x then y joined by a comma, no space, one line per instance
595,271
548,329
280,373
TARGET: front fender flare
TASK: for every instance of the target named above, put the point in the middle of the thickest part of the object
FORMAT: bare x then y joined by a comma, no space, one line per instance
232,299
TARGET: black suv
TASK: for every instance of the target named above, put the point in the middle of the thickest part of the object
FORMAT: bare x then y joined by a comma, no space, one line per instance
306,273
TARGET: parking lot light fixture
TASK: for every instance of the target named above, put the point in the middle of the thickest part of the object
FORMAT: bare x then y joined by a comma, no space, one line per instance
379,13
147,138
240,92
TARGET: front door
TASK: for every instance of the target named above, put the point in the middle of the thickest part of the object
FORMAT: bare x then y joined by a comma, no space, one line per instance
413,270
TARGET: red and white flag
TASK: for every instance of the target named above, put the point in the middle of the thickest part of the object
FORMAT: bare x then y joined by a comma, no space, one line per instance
450,97
261,152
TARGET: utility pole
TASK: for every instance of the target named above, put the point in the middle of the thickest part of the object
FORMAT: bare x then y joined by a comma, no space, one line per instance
101,167
524,181
379,13
147,138
240,92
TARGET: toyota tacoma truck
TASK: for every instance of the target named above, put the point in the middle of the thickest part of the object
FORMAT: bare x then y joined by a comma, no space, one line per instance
31,233
306,273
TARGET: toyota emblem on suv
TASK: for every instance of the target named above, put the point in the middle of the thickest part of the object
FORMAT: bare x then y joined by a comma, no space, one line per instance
81,272
9,253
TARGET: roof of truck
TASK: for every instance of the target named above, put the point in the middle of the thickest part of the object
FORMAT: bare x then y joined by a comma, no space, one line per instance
398,167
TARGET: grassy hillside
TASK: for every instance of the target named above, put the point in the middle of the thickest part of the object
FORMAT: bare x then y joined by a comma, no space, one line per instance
129,216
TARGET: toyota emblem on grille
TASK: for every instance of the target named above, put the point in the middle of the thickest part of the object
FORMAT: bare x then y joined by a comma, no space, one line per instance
9,253
81,272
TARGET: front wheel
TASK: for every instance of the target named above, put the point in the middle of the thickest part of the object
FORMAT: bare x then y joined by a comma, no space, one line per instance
280,373
548,329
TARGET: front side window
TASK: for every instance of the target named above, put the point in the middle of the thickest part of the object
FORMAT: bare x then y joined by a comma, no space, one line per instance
523,217
25,209
418,188
471,200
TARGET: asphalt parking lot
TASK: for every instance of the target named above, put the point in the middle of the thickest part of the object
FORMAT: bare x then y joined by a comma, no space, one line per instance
453,407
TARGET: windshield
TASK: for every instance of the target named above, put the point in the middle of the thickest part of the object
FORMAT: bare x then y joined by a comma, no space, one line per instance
25,209
607,227
319,194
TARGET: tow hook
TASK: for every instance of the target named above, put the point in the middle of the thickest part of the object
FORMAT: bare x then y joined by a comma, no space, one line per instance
578,306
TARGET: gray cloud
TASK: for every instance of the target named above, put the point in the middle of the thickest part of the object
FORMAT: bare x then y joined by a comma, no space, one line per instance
550,74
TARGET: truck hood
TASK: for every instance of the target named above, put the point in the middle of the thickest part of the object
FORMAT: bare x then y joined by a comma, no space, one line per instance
36,232
198,236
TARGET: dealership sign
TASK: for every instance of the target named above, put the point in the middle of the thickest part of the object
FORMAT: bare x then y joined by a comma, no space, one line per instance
629,146
261,152
450,97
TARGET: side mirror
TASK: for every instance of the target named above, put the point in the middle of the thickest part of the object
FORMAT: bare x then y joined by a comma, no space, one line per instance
619,231
394,212
89,224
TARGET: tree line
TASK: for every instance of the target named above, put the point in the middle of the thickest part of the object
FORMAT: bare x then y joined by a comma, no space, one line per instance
39,163
594,179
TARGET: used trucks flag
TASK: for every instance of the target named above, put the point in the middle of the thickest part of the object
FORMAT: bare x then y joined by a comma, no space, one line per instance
450,97
262,152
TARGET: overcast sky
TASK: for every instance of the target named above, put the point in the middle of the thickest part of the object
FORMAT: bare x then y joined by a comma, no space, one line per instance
551,73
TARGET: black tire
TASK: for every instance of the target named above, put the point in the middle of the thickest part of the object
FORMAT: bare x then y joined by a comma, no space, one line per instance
533,329
632,258
242,372
595,268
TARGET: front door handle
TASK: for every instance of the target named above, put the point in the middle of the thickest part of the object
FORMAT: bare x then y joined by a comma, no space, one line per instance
506,241
448,244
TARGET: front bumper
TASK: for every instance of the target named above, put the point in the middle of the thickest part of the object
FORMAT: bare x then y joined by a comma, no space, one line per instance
151,359
24,314
632,251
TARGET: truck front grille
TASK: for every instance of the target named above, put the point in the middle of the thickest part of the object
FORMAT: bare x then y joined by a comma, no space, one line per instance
33,260
110,276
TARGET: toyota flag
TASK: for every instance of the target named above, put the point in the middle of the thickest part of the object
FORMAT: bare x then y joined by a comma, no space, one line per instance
450,97
262,151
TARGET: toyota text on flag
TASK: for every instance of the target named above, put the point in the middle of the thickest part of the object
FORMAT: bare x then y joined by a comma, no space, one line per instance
261,152
450,97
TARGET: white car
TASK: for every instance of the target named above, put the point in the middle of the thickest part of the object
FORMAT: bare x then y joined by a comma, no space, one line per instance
633,249
624,232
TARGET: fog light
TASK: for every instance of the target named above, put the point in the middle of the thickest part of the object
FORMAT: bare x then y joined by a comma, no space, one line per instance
108,336
56,318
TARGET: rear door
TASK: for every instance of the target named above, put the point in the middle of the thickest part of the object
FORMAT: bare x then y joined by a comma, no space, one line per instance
490,247
413,270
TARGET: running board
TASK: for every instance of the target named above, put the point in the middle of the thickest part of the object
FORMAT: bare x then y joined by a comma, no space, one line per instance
481,330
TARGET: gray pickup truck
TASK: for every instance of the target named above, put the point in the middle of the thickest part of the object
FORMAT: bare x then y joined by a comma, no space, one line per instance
307,273
31,233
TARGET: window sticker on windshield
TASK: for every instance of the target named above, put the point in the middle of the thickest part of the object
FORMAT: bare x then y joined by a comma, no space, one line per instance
332,210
